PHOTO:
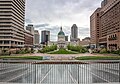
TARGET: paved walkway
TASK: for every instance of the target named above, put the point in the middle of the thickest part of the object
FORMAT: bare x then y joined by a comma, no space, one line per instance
66,56
76,55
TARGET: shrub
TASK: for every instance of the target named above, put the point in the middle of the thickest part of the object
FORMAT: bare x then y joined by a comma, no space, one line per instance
24,51
79,49
102,51
48,49
32,50
63,51
5,52
115,52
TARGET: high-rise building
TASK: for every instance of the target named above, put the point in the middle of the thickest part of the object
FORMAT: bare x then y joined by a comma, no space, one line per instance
30,28
45,36
109,31
66,38
12,14
95,27
36,38
29,38
74,33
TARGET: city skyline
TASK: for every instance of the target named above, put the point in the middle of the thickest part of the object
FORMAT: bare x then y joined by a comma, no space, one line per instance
51,14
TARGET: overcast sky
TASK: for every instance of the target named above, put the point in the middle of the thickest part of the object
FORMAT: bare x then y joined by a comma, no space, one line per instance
51,14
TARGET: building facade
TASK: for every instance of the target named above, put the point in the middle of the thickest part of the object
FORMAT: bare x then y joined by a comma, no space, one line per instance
85,42
95,27
66,38
61,39
109,35
36,38
30,28
28,39
110,24
45,36
12,15
74,33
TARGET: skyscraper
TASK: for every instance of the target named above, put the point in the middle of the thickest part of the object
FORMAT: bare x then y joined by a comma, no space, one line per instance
30,28
36,38
45,36
29,37
12,14
95,27
66,38
74,33
106,23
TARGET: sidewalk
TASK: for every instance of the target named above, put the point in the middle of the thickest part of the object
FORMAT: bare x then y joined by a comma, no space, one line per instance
75,55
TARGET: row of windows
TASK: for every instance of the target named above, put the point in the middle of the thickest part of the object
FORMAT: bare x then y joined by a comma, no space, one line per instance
18,8
112,37
5,11
110,21
5,22
12,42
103,39
4,42
5,5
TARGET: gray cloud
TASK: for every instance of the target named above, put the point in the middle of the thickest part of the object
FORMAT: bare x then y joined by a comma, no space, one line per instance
41,25
49,14
28,21
52,10
84,32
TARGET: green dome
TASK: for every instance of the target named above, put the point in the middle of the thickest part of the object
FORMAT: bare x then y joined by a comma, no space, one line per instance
61,33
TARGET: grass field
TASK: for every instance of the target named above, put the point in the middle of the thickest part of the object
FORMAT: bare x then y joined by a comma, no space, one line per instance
63,51
98,58
22,57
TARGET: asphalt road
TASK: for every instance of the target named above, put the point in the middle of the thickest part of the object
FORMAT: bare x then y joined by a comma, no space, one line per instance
59,73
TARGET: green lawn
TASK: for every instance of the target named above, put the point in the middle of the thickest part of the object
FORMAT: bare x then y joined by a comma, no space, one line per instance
22,57
63,51
98,58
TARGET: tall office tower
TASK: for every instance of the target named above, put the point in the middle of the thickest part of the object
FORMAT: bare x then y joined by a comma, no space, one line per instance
74,33
66,38
105,2
12,14
30,28
45,36
95,27
110,25
29,36
109,31
36,38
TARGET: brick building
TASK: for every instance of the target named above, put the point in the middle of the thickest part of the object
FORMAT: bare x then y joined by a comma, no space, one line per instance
95,27
109,29
28,39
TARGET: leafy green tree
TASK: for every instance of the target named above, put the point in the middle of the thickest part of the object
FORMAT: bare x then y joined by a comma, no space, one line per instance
48,49
79,49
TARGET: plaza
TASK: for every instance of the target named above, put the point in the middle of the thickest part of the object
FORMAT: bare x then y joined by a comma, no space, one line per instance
72,52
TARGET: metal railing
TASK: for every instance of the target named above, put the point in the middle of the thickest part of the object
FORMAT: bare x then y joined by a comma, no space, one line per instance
59,72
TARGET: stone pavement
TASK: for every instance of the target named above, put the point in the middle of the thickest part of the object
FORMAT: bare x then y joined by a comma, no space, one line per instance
66,56
76,55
